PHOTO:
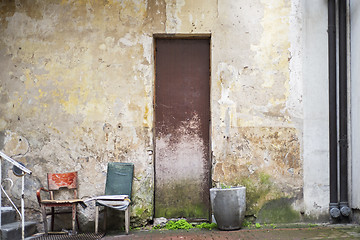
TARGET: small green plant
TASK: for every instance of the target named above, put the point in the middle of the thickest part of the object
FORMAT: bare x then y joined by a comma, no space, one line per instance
183,224
180,224
135,228
246,223
273,226
209,226
257,225
311,225
223,186
157,226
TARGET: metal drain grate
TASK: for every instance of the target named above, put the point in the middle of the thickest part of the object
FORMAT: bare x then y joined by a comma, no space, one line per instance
80,236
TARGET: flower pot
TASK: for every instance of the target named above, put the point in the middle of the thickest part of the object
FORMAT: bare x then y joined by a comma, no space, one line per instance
228,206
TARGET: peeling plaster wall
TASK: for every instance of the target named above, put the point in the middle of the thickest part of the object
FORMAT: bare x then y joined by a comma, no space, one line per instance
66,72
257,99
76,85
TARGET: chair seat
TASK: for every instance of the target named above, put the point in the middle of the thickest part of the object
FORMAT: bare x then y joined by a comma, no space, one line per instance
118,205
109,197
68,201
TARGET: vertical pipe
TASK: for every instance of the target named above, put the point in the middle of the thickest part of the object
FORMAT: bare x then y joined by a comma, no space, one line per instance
343,110
0,192
22,207
334,211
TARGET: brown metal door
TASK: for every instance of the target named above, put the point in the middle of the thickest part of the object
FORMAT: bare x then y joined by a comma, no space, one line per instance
182,112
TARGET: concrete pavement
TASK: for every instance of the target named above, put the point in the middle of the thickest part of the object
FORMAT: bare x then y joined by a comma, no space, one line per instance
325,231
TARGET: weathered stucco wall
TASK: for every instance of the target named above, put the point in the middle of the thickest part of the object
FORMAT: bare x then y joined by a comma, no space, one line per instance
76,91
256,100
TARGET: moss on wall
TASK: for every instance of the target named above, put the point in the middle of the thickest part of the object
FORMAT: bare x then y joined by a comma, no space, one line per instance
278,211
258,190
266,202
185,201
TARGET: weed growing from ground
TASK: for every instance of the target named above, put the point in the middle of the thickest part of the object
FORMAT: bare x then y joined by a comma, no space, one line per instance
180,224
311,225
209,226
183,224
246,223
273,226
223,186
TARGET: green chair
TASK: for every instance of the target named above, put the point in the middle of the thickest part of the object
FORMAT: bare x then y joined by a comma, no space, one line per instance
117,192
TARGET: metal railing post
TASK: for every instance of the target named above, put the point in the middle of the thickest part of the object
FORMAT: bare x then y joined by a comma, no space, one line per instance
0,194
24,171
22,208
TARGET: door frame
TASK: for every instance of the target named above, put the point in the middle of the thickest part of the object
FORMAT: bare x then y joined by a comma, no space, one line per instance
182,36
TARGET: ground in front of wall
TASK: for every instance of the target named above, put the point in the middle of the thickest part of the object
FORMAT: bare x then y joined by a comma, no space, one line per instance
310,231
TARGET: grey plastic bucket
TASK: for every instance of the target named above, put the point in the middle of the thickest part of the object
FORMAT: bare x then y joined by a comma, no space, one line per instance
228,206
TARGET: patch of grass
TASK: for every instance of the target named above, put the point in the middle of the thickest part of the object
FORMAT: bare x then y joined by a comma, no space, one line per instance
135,228
311,225
246,223
183,224
223,186
180,224
273,226
257,225
209,226
157,227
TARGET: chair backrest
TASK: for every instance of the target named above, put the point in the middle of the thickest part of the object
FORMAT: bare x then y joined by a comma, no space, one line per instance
60,180
119,178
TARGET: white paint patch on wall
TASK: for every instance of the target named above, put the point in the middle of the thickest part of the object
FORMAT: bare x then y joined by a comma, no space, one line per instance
127,40
147,42
188,148
294,100
14,144
20,25
270,52
173,22
355,103
315,102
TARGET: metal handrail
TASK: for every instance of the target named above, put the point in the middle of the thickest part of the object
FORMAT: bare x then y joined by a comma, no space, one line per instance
26,171
9,159
12,203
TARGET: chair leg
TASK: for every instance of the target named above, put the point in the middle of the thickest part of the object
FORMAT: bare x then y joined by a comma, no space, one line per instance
105,216
73,218
96,219
77,223
127,220
43,210
52,218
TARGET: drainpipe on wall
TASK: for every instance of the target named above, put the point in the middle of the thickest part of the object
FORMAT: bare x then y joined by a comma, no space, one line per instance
343,110
333,206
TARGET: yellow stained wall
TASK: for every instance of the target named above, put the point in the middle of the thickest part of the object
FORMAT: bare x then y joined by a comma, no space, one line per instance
76,85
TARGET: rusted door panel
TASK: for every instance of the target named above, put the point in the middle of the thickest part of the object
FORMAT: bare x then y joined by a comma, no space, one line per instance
182,113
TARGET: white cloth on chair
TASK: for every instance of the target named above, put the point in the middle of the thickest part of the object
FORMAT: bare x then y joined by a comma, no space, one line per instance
119,205
119,202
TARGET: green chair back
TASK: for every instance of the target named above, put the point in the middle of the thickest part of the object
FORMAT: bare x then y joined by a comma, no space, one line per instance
119,178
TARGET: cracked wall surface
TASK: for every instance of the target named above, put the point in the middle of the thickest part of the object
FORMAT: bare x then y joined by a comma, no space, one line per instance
77,88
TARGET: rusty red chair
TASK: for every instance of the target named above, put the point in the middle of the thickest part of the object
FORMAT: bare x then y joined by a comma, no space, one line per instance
56,182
